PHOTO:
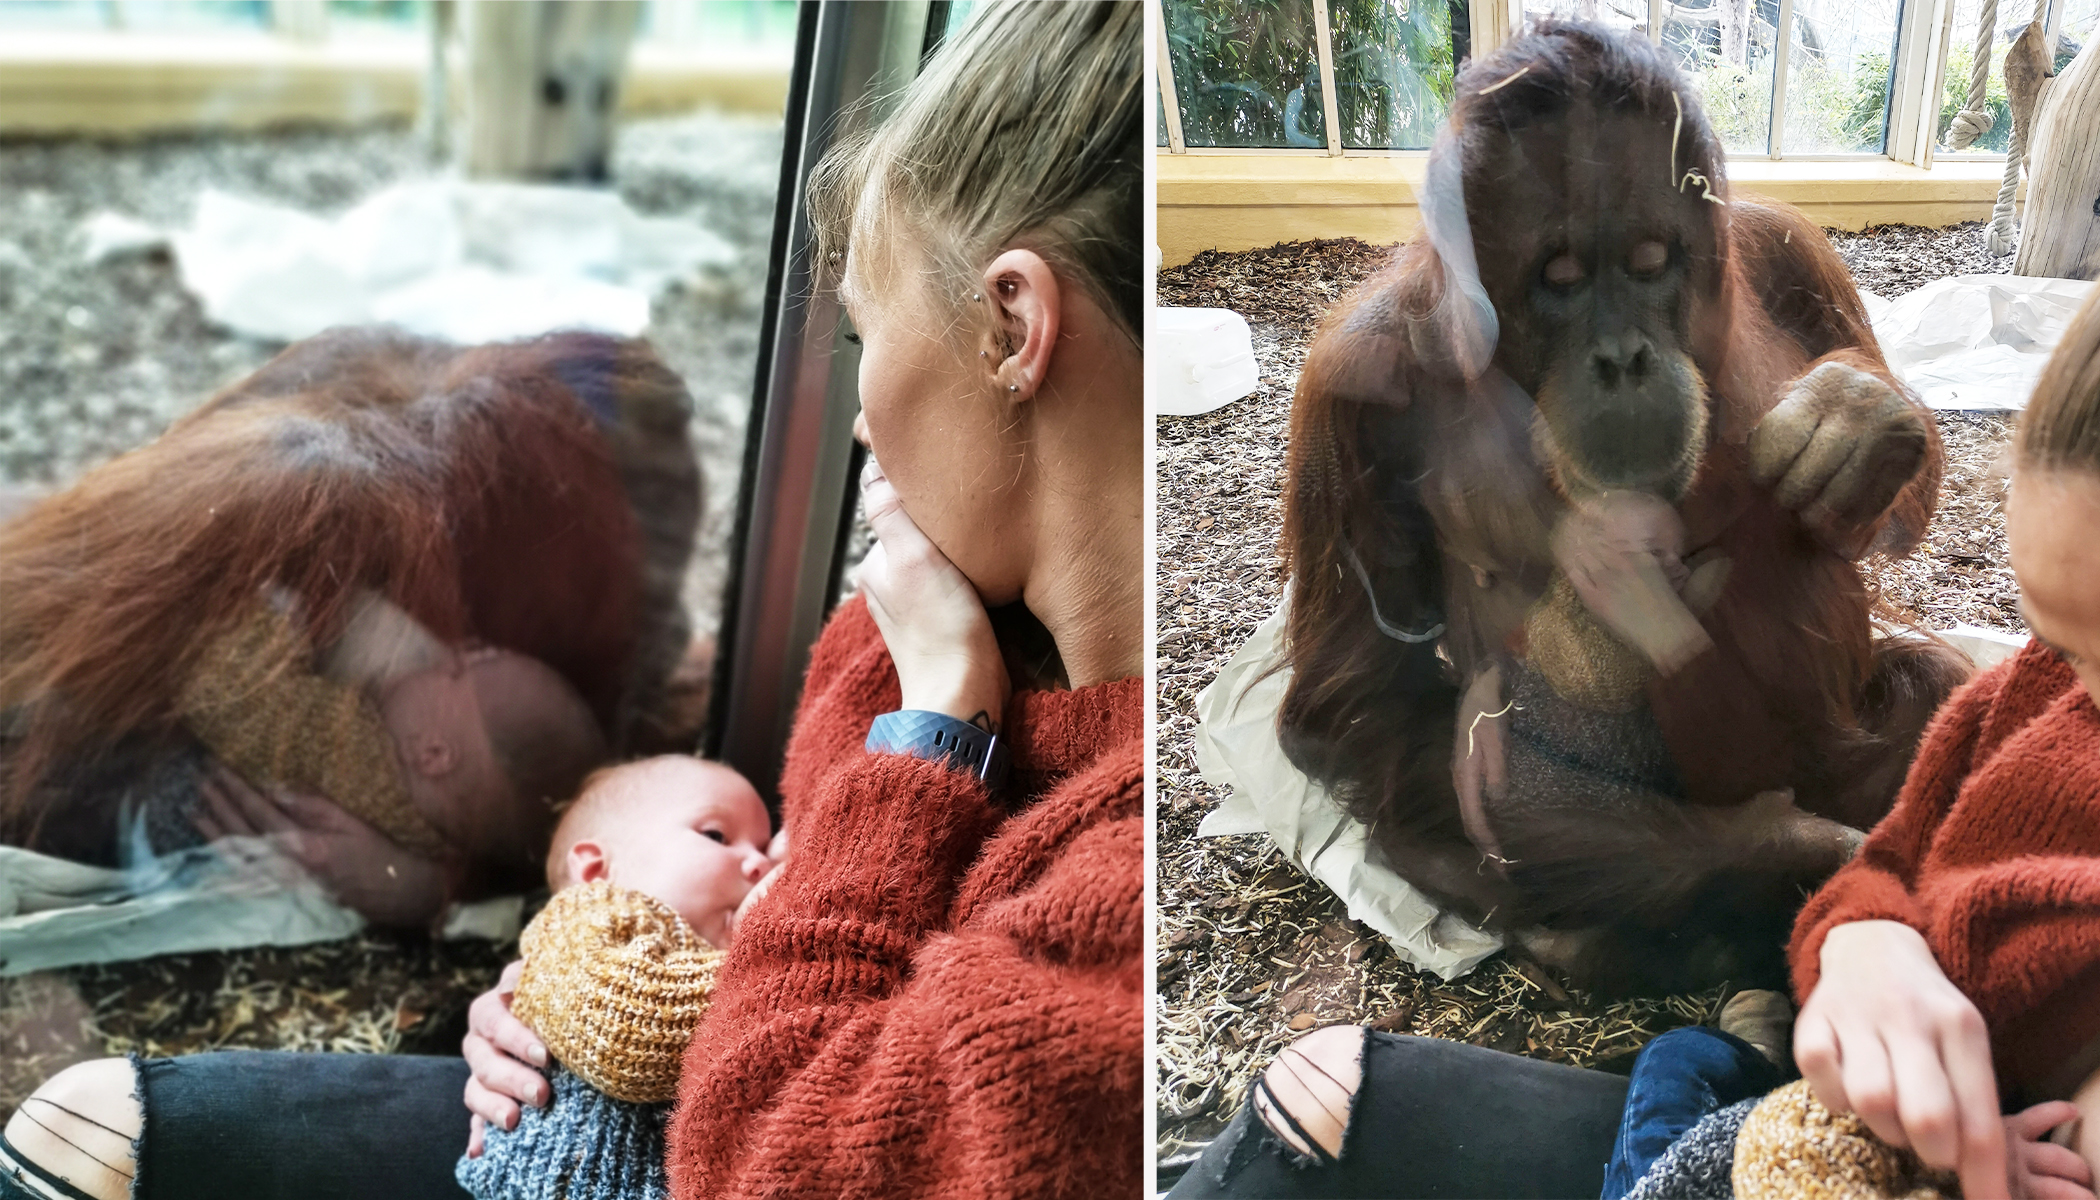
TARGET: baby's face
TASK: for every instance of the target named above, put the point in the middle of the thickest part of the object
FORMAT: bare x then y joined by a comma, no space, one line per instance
697,841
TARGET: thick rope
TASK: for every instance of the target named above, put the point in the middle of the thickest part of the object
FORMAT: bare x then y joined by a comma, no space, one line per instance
1975,120
1998,239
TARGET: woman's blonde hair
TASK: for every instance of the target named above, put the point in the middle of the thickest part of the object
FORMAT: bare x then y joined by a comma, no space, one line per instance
1024,129
2061,428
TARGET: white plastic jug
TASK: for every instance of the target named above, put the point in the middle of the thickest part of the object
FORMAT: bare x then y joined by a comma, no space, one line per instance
1199,359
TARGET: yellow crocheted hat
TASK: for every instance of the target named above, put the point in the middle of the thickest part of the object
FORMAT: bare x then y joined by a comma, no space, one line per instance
1792,1148
614,983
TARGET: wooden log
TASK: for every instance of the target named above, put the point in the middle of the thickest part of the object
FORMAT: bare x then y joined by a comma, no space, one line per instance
542,84
2060,235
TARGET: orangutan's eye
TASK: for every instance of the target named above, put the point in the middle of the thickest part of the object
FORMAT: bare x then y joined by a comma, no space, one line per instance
1648,258
1564,271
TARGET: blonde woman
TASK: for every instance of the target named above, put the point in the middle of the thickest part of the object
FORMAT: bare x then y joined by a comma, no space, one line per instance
941,994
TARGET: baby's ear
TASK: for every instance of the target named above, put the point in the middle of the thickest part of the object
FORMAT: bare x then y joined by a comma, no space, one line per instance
587,862
433,757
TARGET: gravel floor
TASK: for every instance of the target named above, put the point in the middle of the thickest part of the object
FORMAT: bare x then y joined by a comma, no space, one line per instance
1251,952
95,359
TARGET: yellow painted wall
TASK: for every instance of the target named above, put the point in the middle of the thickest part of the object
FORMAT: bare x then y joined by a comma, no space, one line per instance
119,84
1244,201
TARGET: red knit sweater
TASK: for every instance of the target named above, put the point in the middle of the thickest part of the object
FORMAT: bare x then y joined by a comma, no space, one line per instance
937,998
1993,854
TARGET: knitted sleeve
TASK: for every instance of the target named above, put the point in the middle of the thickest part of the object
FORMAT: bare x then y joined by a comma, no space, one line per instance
930,1002
614,983
1880,884
256,702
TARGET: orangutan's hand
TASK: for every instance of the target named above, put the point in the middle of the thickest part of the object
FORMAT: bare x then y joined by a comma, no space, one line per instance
1839,449
356,863
931,618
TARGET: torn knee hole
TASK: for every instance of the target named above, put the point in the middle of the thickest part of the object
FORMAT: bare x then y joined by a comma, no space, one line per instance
1308,1094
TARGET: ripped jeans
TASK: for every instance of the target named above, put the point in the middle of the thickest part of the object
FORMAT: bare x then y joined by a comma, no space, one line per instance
1435,1118
268,1125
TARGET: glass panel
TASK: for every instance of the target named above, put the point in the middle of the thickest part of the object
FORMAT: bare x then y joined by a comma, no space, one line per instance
1838,72
1159,116
1613,14
1394,64
2080,25
1954,85
1248,74
1725,46
726,25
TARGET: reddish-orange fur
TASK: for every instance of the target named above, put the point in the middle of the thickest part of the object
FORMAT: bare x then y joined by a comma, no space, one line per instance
1431,481
483,490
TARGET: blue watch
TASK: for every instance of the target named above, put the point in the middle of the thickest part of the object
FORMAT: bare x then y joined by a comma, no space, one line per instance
939,737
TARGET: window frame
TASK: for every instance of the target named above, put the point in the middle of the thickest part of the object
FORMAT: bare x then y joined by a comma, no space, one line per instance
1924,30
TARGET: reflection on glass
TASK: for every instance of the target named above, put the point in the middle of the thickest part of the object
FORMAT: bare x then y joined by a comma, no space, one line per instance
1954,83
2081,24
1725,47
1159,111
1247,74
1612,14
1838,73
1394,63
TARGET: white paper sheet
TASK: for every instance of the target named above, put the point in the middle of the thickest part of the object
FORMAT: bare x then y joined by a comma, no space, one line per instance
1238,753
1976,341
467,262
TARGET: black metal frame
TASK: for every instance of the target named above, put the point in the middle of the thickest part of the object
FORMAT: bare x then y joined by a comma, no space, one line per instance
797,498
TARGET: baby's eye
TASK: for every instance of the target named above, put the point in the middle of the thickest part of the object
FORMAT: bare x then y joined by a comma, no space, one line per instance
716,834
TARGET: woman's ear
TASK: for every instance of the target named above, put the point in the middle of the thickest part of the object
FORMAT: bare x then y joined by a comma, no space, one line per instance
1027,310
587,862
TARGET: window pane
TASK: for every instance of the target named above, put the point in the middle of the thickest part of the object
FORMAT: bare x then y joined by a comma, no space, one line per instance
2081,24
1961,54
1726,48
1394,62
1837,83
1159,116
1248,74
1613,14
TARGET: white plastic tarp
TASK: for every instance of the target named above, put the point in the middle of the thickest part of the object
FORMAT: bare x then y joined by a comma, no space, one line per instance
1976,341
1238,753
230,895
467,262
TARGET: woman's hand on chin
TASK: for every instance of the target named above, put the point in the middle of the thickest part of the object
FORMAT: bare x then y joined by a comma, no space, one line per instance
931,618
506,1059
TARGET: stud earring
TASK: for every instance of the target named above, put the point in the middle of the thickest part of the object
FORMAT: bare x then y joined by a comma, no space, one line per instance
1013,387
976,295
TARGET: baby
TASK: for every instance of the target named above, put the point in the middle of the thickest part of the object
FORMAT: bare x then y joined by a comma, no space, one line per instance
452,755
652,868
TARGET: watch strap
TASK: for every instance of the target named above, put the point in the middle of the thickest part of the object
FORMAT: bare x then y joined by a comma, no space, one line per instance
939,737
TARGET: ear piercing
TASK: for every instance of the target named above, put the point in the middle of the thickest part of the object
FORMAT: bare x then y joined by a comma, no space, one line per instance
976,295
1013,387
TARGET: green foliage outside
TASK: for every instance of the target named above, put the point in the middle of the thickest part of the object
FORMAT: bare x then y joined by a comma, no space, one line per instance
1247,71
1955,96
1395,68
1738,102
